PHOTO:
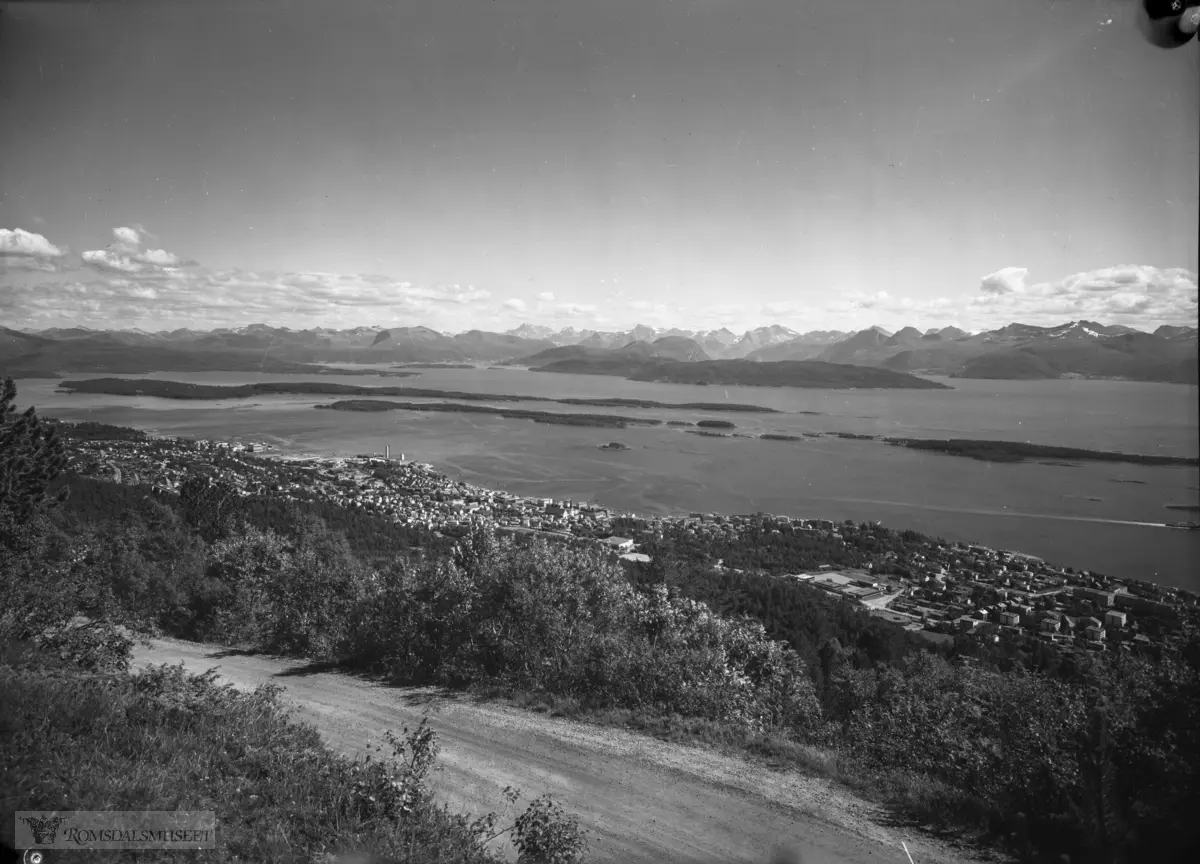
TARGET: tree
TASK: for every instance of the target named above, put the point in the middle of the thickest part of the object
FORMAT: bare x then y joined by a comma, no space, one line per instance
209,505
32,457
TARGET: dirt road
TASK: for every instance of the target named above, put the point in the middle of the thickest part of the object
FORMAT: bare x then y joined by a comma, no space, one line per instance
640,799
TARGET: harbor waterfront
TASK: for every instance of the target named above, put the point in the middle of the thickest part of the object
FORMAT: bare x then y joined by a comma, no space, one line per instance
1101,516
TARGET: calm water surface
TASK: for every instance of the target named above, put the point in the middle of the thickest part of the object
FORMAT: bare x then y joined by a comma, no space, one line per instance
1097,516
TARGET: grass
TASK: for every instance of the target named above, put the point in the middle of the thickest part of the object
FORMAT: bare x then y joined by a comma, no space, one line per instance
163,740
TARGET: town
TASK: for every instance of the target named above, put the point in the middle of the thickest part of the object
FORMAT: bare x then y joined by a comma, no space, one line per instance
937,589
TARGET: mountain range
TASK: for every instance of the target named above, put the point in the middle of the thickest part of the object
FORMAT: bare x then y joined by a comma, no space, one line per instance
1017,351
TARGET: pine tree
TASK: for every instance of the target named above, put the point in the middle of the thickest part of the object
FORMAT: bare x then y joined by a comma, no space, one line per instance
32,457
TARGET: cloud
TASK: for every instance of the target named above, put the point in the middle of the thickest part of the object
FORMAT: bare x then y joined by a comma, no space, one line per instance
201,297
158,257
126,255
130,284
25,250
102,259
572,311
127,236
1010,280
1139,296
1135,295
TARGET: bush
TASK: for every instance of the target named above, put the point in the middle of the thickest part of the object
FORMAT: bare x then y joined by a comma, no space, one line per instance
566,621
163,739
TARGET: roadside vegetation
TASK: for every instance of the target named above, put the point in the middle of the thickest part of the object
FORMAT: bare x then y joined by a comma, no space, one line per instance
80,732
162,739
1099,760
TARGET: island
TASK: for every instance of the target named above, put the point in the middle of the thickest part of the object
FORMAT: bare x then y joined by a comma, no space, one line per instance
180,390
614,445
1020,451
434,366
715,424
781,373
378,373
607,420
779,436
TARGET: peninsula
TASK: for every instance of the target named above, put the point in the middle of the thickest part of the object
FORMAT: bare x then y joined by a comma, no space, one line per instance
606,420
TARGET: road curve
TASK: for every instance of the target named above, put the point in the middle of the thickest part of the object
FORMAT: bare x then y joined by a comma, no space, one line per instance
640,799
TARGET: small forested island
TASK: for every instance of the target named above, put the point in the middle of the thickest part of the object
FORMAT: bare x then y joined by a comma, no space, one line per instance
690,406
610,420
378,373
434,366
614,445
181,390
1020,451
779,436
715,424
782,373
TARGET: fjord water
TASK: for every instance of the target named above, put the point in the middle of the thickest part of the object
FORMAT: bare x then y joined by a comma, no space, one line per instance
1090,515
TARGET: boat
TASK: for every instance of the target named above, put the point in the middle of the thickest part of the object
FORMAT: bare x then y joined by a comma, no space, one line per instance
1184,526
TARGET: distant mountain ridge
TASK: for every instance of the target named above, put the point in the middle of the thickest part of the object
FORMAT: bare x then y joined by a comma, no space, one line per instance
1016,351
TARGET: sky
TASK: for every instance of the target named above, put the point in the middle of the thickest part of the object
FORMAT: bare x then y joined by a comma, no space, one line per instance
688,163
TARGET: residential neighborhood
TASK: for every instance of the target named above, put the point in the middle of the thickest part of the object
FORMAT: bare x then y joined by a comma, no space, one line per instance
940,591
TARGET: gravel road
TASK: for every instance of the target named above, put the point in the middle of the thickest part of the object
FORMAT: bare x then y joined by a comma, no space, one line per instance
640,799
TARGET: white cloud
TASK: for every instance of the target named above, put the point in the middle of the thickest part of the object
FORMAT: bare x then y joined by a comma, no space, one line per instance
160,257
217,298
102,259
572,311
1009,280
131,285
1135,295
25,250
126,255
127,236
